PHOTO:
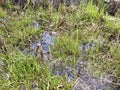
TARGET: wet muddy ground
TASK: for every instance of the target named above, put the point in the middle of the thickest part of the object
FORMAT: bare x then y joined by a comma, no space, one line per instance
80,74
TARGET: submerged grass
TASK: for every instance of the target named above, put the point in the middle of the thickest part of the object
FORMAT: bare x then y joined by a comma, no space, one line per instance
76,26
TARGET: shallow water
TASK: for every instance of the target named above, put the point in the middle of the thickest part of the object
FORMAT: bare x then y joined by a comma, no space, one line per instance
90,81
80,74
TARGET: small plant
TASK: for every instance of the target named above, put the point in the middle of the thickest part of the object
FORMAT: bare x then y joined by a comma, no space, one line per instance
92,12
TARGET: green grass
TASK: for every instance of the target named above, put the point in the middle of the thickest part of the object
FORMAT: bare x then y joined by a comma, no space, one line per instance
26,70
2,13
75,26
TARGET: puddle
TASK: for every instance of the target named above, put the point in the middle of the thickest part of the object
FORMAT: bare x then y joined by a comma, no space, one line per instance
90,45
36,24
4,20
46,42
59,68
84,80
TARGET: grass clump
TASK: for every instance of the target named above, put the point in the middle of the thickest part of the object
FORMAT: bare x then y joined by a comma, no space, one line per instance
2,13
25,71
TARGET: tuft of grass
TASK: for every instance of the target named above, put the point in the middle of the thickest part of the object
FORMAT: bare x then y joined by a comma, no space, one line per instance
2,13
92,12
26,70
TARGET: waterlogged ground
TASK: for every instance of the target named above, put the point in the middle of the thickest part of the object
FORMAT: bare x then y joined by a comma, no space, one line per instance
80,48
80,73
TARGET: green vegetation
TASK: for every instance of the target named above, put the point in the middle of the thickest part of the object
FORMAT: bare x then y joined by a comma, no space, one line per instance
25,71
75,26
2,13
